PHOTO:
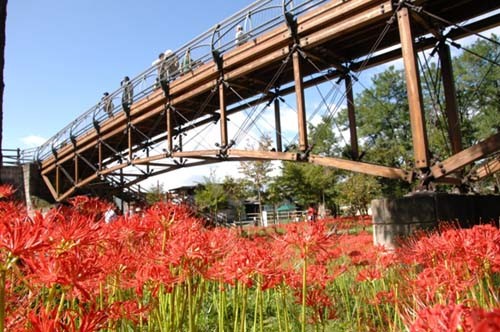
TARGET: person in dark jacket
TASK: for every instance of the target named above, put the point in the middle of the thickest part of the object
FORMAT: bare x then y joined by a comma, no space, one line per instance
128,92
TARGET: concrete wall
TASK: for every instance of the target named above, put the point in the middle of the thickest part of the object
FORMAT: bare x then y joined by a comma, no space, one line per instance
28,183
13,175
396,218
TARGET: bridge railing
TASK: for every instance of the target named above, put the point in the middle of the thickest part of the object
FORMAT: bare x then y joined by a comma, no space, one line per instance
256,19
16,157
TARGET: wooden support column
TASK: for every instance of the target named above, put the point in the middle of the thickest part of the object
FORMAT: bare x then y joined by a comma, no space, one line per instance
223,116
170,137
76,169
417,118
129,140
450,96
58,184
277,124
352,118
301,105
147,156
99,155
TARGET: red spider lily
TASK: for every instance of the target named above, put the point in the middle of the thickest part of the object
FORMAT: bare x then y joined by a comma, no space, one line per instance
476,249
155,274
128,310
441,281
453,317
88,206
307,237
76,231
86,319
368,274
22,236
78,271
237,264
44,321
486,321
320,302
6,190
384,297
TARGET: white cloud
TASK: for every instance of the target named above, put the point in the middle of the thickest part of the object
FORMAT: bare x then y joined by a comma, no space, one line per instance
33,141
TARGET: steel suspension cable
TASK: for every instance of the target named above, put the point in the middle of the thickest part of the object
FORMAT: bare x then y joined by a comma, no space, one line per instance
332,119
374,47
248,115
435,102
443,20
469,100
458,46
249,122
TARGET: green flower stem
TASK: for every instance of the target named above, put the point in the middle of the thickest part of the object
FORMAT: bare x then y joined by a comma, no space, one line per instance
2,299
304,291
278,310
60,307
243,319
285,308
191,326
236,305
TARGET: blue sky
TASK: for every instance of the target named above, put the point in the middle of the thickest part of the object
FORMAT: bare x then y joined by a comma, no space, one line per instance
62,55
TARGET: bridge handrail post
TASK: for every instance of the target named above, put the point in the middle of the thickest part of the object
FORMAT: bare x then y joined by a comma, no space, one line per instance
290,19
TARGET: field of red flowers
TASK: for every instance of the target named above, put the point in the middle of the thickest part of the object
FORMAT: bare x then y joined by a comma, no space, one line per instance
67,270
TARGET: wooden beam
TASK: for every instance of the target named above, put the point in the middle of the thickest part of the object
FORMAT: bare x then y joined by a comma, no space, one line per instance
487,169
58,181
170,131
76,169
129,141
99,152
277,124
301,103
223,116
347,24
50,186
195,154
359,167
454,132
417,119
352,118
263,155
467,156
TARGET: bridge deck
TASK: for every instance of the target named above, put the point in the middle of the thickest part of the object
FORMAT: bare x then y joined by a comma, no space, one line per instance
336,33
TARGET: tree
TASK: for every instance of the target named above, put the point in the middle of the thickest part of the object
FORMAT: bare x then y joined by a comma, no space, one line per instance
306,183
210,196
357,192
155,194
275,195
236,192
478,89
258,172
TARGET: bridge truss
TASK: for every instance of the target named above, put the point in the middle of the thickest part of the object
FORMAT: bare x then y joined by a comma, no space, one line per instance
218,79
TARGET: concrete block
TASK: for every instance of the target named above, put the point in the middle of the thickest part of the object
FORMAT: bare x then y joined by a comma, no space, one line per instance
396,218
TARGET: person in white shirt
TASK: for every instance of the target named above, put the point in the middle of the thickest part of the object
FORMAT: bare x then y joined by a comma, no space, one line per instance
110,215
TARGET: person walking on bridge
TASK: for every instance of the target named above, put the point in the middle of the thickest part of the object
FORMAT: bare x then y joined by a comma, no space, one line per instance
107,104
162,67
241,37
128,93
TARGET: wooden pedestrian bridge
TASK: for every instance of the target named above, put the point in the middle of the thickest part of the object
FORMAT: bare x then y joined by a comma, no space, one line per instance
226,81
